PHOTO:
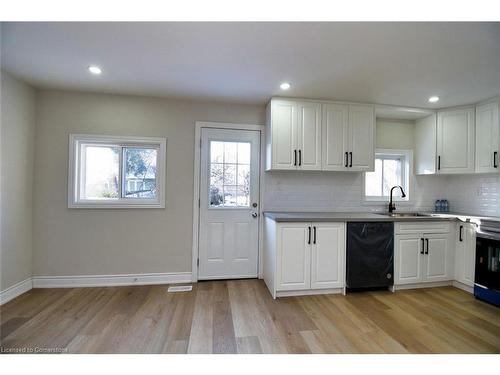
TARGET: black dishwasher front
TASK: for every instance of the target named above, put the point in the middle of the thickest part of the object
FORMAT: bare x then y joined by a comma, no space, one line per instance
370,255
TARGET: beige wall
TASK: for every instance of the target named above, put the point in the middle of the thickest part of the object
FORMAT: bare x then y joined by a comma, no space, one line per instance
395,134
119,241
17,152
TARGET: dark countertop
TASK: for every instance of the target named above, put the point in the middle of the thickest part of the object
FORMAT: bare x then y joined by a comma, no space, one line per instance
282,216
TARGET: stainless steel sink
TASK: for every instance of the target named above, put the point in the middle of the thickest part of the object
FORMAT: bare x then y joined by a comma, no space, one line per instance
403,214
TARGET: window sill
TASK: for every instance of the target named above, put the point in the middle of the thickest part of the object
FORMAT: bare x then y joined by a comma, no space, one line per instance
117,205
385,202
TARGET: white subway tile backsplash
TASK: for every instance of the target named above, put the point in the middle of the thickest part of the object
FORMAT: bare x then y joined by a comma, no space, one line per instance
320,191
475,194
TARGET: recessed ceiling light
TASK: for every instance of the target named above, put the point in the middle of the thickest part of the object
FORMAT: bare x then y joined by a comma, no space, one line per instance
95,69
434,99
285,86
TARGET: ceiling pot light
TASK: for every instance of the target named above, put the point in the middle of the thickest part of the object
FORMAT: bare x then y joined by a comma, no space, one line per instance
285,86
433,99
95,69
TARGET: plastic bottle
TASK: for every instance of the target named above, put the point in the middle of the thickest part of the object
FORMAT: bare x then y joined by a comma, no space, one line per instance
446,206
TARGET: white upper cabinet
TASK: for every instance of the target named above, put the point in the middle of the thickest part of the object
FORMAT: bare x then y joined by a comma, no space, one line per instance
487,138
425,145
282,136
308,135
455,141
335,119
361,137
293,135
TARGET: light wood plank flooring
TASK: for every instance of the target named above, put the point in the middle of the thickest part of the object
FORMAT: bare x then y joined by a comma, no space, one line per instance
241,317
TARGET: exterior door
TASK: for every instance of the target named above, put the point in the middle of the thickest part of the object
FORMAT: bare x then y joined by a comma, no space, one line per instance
309,136
327,255
294,258
436,257
334,128
229,195
407,259
361,138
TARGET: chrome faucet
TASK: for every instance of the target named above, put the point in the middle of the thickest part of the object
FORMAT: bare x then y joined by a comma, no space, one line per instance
392,206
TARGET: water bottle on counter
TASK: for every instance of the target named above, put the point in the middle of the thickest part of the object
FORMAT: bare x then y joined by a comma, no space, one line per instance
438,205
446,205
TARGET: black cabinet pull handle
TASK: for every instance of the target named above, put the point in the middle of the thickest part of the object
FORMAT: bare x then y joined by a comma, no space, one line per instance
350,164
300,158
294,157
427,247
346,159
422,249
460,238
439,162
495,164
309,235
314,241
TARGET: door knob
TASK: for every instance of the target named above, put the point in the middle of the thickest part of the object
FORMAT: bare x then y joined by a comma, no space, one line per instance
254,214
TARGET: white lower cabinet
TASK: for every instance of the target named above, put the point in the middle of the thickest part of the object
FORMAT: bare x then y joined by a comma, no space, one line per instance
294,257
327,255
423,258
307,257
465,254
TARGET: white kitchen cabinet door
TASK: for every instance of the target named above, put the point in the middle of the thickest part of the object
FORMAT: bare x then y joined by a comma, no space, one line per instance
465,253
284,135
293,256
361,138
309,136
425,145
487,138
455,141
437,257
407,259
327,255
335,137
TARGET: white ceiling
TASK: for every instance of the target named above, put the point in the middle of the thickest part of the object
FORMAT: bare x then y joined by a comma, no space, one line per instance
388,63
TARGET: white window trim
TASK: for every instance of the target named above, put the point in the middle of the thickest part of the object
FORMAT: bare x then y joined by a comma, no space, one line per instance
75,140
368,200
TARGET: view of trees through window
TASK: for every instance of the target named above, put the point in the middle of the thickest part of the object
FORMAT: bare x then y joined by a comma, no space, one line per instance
101,166
229,174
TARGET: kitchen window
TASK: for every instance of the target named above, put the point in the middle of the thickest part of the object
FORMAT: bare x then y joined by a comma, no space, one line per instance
116,172
392,167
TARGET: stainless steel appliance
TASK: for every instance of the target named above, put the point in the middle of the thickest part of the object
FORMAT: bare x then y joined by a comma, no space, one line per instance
487,277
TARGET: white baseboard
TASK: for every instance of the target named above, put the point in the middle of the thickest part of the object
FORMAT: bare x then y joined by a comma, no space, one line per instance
422,285
111,280
312,292
15,290
465,287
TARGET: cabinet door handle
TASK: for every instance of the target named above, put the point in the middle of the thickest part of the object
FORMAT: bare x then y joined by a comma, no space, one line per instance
495,164
460,238
422,248
439,162
346,159
295,157
300,158
350,163
427,246
309,235
314,241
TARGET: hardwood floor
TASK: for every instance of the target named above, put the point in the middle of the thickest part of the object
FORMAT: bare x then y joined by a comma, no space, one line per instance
241,317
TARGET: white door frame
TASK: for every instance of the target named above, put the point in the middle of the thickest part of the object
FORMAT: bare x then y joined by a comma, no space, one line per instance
196,186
